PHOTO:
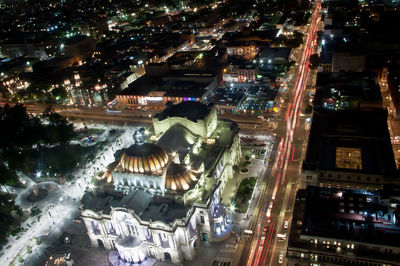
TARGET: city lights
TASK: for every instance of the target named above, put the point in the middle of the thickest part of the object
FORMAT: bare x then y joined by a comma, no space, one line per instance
268,127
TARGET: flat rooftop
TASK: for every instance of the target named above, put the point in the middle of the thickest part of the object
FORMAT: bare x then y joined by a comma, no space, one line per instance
143,86
347,89
191,110
355,215
357,221
363,131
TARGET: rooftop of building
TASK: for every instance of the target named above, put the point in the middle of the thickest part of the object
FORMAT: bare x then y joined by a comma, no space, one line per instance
209,154
334,216
274,53
177,139
143,158
227,96
143,86
354,88
244,38
366,131
146,206
190,109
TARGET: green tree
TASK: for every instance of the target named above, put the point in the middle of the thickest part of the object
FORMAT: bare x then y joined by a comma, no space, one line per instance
20,131
58,131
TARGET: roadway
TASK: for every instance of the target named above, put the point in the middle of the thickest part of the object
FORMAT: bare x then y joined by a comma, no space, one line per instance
278,194
248,124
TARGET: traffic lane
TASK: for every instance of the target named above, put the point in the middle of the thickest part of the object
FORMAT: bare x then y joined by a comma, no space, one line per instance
300,85
260,216
279,245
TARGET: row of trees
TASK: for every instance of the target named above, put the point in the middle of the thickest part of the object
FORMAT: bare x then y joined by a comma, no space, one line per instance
21,132
43,93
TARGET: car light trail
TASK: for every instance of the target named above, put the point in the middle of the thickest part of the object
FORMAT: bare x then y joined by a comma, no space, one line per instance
258,254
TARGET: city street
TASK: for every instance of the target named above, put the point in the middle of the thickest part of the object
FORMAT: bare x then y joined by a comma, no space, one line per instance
248,124
279,192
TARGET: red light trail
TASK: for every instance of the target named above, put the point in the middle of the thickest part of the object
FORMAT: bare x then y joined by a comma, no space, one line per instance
260,246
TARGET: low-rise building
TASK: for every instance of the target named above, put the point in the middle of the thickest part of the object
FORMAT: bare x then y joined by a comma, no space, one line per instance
347,90
155,91
332,226
349,149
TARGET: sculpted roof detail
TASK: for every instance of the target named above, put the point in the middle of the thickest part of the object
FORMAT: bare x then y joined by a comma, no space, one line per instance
143,158
179,178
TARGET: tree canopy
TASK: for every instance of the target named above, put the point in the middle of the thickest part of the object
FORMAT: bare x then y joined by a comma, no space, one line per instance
21,131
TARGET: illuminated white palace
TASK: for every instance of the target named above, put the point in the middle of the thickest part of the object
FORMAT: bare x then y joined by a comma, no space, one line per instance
166,188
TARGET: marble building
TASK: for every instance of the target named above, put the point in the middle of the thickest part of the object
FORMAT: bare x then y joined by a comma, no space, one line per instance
166,188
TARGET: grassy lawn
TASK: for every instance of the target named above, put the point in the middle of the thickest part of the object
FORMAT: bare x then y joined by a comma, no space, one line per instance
243,194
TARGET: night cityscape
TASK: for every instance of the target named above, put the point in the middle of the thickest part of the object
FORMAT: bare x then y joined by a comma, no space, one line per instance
199,132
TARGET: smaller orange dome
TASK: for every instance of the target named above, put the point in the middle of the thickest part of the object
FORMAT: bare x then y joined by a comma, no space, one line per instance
178,178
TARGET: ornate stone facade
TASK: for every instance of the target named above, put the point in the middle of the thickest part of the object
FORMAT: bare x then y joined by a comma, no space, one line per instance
166,196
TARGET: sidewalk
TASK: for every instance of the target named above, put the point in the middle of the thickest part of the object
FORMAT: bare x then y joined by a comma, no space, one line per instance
254,171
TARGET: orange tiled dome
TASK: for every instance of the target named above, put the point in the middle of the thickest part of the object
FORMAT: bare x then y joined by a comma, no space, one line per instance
178,177
145,158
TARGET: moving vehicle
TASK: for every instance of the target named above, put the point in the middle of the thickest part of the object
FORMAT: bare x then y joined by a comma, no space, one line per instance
282,237
280,258
286,224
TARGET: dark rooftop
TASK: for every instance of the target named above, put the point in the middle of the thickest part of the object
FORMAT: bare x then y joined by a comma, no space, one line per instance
351,90
365,130
345,222
191,110
355,215
140,202
171,87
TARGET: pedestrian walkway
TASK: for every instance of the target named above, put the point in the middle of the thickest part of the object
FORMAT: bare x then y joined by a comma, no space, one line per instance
254,170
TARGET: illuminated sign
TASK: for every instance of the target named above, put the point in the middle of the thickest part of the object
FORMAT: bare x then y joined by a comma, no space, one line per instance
153,98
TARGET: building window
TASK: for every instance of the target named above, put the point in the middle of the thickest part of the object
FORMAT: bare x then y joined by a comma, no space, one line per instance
202,219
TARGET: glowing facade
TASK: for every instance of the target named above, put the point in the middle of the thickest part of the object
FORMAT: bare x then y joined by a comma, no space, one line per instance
166,196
